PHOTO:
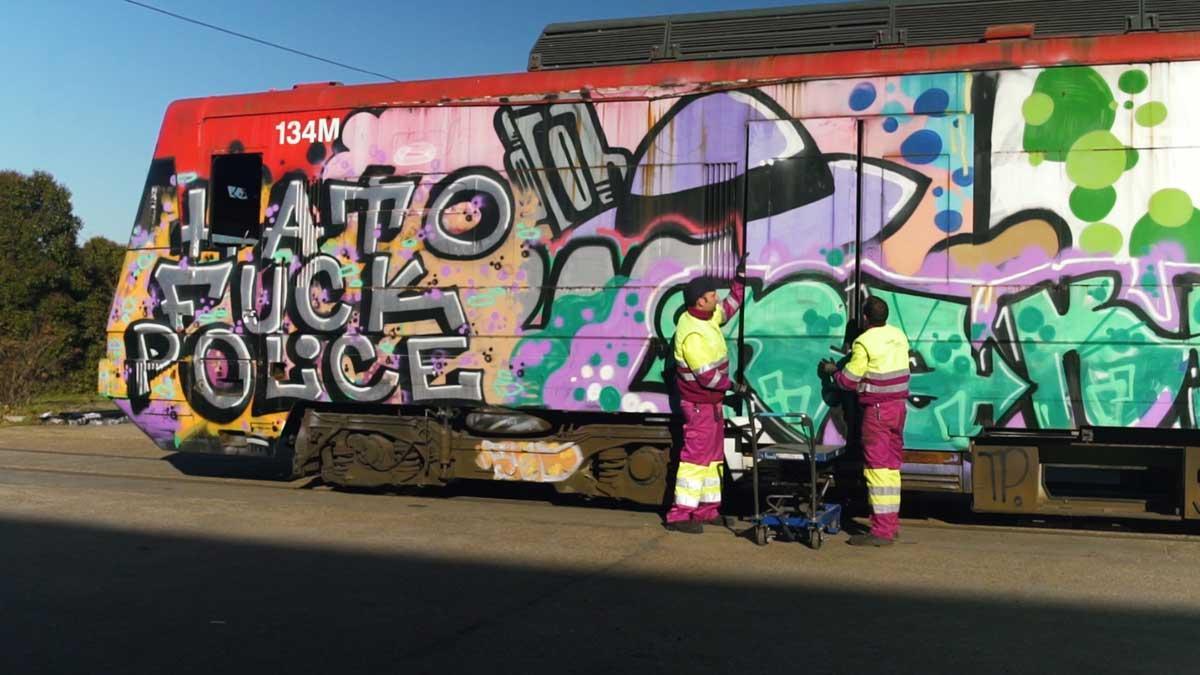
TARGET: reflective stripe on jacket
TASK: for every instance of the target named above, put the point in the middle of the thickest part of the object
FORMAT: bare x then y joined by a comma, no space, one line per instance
701,357
878,366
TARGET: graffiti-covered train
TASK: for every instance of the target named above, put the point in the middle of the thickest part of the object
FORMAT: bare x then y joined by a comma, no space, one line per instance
475,278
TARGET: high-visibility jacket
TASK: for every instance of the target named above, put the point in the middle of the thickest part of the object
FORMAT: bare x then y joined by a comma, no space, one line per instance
878,366
701,357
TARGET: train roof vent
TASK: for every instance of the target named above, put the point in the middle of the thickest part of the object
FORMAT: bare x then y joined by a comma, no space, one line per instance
790,31
574,45
1173,14
925,23
843,26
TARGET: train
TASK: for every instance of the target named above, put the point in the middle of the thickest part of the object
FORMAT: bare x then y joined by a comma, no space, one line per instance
478,278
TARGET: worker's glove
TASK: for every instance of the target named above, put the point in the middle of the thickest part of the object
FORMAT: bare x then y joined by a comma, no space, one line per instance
741,389
740,274
827,368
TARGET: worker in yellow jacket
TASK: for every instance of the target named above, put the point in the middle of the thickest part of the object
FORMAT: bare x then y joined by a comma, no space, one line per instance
878,371
702,376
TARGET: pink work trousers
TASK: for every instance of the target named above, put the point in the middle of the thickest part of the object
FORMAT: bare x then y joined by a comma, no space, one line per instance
703,446
883,448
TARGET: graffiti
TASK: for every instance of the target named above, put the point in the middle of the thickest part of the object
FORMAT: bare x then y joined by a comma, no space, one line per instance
1097,363
1033,231
303,300
539,462
560,152
1006,473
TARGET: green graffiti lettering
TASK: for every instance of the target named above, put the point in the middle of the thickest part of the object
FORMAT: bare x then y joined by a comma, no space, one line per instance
952,385
1122,368
566,319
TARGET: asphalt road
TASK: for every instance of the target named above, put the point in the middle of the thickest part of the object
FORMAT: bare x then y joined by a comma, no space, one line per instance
120,559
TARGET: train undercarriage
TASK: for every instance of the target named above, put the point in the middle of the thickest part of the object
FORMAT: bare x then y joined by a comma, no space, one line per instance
600,458
1086,472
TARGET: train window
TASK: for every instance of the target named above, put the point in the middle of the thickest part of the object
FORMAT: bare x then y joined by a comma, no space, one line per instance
236,188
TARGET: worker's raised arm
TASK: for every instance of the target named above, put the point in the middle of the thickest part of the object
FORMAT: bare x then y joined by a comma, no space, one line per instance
851,373
729,306
710,370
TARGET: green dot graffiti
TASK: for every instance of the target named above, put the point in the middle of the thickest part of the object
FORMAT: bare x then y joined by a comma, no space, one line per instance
1171,219
610,399
1092,205
1101,238
1069,103
1133,81
1038,109
1171,207
1070,117
1096,160
1151,114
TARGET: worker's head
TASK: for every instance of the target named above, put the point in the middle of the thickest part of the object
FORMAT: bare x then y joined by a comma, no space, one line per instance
875,312
701,294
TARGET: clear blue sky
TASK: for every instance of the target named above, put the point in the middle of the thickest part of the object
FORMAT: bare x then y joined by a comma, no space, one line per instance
87,81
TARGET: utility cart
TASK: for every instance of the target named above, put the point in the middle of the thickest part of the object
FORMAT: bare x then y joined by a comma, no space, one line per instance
795,509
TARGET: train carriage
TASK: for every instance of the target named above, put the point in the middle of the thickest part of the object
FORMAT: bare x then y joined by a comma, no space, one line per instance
475,278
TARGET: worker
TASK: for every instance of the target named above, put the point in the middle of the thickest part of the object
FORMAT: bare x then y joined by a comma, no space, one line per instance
702,376
878,371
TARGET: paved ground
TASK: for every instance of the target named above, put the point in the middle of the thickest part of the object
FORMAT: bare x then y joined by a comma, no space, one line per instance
115,561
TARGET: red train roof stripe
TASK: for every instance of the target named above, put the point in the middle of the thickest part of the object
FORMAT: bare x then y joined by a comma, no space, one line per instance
734,72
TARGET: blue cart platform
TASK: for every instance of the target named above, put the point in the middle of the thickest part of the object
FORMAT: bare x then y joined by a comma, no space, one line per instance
793,511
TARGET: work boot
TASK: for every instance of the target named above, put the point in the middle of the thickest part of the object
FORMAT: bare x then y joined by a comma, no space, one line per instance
715,520
686,526
869,540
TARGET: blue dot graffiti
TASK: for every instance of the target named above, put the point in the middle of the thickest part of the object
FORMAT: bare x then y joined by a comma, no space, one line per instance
862,96
948,220
921,147
932,102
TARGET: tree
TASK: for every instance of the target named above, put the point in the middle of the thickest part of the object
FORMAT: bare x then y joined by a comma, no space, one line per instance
96,283
38,257
26,366
38,253
54,295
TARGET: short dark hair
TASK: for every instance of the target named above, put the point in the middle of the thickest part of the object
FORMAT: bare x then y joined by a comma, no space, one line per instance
876,311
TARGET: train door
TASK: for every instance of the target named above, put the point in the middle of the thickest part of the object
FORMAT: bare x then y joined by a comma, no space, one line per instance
226,222
916,202
278,281
874,211
801,223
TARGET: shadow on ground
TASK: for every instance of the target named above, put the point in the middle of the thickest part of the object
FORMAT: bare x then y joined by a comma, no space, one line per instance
228,466
738,503
82,599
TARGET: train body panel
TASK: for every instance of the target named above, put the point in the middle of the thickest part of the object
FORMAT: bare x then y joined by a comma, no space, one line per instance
1031,225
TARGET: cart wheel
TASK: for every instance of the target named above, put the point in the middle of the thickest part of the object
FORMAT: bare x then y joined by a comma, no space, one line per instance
815,538
760,535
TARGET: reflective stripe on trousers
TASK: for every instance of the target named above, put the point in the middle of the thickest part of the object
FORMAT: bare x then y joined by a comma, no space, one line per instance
883,490
697,484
